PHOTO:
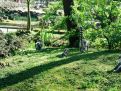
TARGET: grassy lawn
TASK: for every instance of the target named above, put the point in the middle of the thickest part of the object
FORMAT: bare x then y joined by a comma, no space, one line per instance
17,22
45,71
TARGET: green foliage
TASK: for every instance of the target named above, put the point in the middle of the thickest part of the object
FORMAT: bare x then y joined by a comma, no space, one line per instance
100,20
99,43
3,42
60,23
54,14
10,43
45,36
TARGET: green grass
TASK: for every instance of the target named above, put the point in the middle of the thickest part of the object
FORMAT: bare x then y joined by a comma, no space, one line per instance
24,18
17,22
45,71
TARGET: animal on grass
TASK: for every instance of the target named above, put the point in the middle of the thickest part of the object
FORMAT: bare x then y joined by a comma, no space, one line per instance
85,45
117,68
3,54
3,64
38,45
65,52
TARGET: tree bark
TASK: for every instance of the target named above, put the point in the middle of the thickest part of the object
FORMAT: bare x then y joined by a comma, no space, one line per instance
28,16
67,5
110,46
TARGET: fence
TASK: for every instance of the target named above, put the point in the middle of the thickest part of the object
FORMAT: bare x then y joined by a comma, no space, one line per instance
7,29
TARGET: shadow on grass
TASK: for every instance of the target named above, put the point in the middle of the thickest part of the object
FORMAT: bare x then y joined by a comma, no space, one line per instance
19,77
56,32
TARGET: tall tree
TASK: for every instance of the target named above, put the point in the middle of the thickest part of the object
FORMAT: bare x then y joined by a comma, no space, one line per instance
101,20
67,5
28,16
68,10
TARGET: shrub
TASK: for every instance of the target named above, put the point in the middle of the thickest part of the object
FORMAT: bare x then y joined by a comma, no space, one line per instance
10,43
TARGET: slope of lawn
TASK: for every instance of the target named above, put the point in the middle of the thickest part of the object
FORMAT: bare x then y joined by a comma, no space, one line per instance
46,71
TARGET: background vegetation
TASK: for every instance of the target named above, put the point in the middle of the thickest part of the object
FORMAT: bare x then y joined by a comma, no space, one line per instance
58,28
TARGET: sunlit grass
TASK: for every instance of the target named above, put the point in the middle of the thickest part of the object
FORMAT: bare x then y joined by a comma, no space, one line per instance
45,71
17,22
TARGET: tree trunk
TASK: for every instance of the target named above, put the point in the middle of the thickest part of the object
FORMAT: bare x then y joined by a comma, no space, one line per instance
67,5
47,3
28,16
109,43
67,11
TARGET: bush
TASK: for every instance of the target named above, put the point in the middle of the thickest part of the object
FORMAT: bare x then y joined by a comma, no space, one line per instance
3,47
99,43
10,43
44,36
